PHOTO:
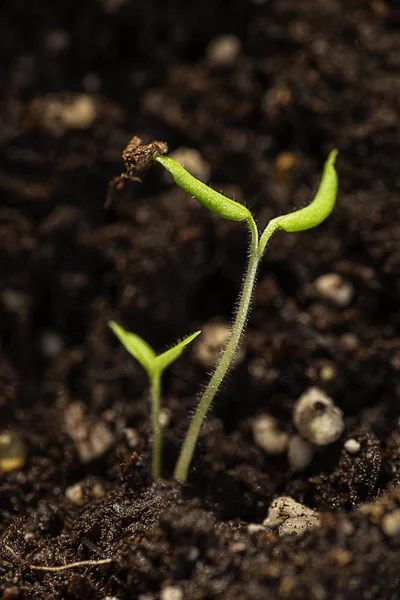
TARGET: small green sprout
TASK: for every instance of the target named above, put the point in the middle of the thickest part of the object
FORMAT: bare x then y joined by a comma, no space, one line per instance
300,220
154,365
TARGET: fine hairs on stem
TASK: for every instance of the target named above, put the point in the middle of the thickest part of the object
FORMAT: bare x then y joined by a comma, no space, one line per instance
138,157
306,218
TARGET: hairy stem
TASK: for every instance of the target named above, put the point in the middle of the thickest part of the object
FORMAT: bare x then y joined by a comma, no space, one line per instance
155,407
225,361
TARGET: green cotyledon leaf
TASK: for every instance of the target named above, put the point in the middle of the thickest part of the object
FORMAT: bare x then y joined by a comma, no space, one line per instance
314,213
214,201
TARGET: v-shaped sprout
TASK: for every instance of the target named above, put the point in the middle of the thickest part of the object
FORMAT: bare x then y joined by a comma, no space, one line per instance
154,365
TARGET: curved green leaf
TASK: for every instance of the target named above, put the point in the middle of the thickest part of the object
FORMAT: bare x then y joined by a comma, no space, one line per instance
169,356
316,212
214,201
136,346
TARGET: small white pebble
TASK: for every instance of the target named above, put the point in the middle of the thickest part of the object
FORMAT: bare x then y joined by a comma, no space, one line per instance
74,493
58,112
352,446
223,50
164,417
268,436
193,162
300,453
207,347
317,419
171,592
391,523
327,372
332,287
255,527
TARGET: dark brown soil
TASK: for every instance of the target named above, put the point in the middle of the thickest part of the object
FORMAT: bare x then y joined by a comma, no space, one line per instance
310,76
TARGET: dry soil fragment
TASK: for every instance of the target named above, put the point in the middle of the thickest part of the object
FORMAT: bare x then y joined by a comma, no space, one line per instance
92,437
291,517
171,592
138,157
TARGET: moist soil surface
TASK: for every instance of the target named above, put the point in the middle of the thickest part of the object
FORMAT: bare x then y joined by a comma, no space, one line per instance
78,81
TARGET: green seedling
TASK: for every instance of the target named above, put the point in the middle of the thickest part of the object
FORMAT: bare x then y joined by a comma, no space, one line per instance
300,220
154,365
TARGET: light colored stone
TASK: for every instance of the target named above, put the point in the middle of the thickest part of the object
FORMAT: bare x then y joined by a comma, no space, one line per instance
317,419
171,592
74,493
291,517
193,162
298,525
58,112
268,436
283,508
300,453
223,50
164,417
255,527
391,523
208,346
332,287
352,446
92,437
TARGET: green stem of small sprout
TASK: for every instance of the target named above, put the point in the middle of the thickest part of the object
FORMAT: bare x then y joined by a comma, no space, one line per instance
155,417
154,365
300,220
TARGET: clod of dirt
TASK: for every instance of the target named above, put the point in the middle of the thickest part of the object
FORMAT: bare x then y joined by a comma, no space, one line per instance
317,419
138,157
12,451
193,162
92,438
300,453
290,517
335,289
268,436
